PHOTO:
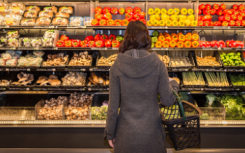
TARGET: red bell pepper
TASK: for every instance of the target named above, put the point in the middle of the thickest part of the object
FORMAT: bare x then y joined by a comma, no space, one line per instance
98,10
200,18
242,13
60,43
207,18
104,37
118,22
225,23
239,17
143,20
216,6
110,22
112,37
199,11
102,22
221,18
219,12
98,16
106,10
208,6
129,10
75,43
233,17
68,43
114,10
125,22
137,16
222,44
214,44
202,7
142,15
121,11
227,17
88,38
64,38
235,6
94,22
212,11
241,7
84,44
243,22
99,43
219,23
129,16
108,16
108,43
206,12
239,44
222,6
91,43
97,37
238,23
236,12
206,23
200,23
115,43
232,23
137,10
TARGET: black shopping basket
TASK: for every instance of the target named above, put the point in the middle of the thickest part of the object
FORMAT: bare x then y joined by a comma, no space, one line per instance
182,124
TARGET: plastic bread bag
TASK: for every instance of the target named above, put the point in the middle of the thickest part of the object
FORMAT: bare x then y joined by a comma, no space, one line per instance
28,22
43,21
12,62
3,42
38,53
76,21
26,42
46,14
33,8
17,8
34,61
47,42
66,9
13,42
2,62
49,34
22,61
4,7
12,20
12,34
2,19
36,42
60,21
6,56
50,9
62,15
86,21
30,14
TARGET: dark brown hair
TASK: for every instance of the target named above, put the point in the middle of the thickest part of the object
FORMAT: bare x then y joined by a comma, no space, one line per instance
136,37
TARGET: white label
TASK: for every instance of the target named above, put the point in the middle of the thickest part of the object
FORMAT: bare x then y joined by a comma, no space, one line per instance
53,69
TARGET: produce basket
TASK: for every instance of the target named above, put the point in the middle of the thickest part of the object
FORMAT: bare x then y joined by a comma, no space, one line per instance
17,113
80,66
241,81
47,74
45,57
182,123
104,54
208,53
184,58
227,81
193,86
212,113
29,85
162,53
232,67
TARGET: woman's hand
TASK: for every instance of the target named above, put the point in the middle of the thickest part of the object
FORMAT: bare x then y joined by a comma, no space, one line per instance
111,142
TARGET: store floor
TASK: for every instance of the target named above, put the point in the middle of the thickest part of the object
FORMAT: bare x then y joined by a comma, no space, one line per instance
71,150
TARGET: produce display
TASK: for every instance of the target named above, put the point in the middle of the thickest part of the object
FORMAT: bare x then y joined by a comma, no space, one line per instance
179,40
74,79
171,17
222,44
237,80
52,109
99,113
81,59
165,59
180,61
193,78
23,79
52,80
216,79
98,80
10,58
56,60
107,61
227,17
34,59
103,17
207,61
232,59
78,106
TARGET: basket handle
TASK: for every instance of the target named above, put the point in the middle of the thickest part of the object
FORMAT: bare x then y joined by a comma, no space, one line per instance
180,105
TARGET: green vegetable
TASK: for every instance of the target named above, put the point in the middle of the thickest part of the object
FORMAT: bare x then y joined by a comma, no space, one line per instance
152,45
154,39
204,116
119,38
155,33
232,59
238,80
210,99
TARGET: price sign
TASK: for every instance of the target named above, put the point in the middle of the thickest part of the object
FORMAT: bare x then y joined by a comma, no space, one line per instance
114,48
89,89
55,48
82,69
94,49
53,69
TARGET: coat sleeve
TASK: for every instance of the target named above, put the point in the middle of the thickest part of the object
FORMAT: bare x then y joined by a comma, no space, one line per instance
112,113
165,87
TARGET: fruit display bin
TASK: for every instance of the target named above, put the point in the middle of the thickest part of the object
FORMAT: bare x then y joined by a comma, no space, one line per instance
184,56
232,67
208,53
105,54
213,113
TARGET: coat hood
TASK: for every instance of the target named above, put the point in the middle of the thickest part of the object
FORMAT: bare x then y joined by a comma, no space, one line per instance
137,63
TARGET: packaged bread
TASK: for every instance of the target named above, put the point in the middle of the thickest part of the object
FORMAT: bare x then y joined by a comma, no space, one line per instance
45,21
50,9
66,9
12,20
4,7
76,21
63,15
60,21
28,22
1,19
33,8
46,14
17,8
30,14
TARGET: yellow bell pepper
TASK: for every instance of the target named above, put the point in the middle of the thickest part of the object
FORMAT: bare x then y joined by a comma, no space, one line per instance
181,23
170,11
175,23
183,11
152,17
187,23
174,17
151,11
191,17
163,11
162,23
158,44
155,23
169,23
164,17
190,11
157,17
157,10
193,23
176,11
150,23
182,17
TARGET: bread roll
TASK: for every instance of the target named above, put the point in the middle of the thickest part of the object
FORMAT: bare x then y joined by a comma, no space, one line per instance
33,8
60,21
30,14
63,15
66,9
28,22
43,21
50,9
46,14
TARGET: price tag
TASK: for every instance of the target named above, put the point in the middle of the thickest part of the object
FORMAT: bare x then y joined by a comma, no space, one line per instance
94,49
27,89
114,48
91,69
36,48
51,26
7,69
53,69
6,26
104,49
12,48
83,27
28,69
107,89
166,27
55,48
89,89
70,27
82,69
174,69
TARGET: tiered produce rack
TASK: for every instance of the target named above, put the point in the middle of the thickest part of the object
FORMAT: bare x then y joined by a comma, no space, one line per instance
21,100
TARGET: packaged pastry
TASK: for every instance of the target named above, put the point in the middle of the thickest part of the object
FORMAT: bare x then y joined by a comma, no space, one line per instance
12,34
30,14
13,42
45,21
47,42
3,42
76,21
36,42
27,42
17,8
28,22
60,21
4,7
63,15
86,21
46,14
66,9
33,8
12,20
49,34
50,9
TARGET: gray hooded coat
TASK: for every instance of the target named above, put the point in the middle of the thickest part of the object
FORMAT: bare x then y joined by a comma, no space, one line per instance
136,78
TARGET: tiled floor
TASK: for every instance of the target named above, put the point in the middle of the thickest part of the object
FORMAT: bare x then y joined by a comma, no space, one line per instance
71,150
